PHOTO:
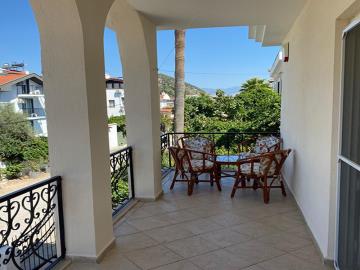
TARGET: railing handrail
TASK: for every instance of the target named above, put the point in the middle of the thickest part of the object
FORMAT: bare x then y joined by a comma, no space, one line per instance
219,133
29,188
121,150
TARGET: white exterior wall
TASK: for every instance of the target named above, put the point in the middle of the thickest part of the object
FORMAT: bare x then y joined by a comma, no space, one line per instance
9,95
310,109
117,95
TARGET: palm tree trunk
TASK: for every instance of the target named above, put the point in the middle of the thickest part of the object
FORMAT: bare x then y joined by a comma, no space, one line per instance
179,80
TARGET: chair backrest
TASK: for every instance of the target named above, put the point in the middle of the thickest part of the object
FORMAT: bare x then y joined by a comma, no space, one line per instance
267,144
271,163
180,157
197,143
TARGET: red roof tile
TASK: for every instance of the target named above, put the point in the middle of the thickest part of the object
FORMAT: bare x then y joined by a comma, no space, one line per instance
9,76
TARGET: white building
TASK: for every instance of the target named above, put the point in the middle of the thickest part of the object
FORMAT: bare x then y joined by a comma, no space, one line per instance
25,91
275,73
114,96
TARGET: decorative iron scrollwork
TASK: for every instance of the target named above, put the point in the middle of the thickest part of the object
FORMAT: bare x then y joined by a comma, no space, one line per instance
31,224
122,185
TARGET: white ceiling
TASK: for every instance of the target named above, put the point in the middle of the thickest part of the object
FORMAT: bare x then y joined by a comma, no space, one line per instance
276,15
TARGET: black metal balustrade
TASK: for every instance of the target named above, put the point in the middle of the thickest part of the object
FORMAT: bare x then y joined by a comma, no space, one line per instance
122,180
33,112
29,90
32,227
225,142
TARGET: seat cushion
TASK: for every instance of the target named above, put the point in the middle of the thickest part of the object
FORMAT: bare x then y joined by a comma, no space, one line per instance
246,168
263,144
198,144
198,165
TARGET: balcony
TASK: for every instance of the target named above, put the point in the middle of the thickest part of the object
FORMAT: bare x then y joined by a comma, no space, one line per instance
34,113
32,91
211,231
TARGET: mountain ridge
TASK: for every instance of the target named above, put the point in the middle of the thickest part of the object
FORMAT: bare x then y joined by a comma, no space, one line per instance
167,85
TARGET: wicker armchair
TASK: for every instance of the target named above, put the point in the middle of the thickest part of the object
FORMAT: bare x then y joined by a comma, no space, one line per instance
265,170
189,169
263,145
197,143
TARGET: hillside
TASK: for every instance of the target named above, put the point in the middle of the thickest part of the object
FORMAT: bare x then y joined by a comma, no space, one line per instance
167,83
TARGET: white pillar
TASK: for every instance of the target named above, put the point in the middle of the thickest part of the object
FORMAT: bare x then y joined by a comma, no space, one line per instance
73,68
137,41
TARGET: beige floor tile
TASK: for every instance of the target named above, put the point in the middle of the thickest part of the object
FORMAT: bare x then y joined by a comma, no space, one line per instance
308,253
193,246
149,223
169,233
201,225
111,263
285,241
182,265
152,257
133,241
206,211
301,231
124,228
151,210
281,222
220,259
180,216
254,229
225,237
229,219
254,251
254,267
289,262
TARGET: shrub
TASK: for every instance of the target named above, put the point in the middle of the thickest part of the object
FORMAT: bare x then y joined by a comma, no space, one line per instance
13,171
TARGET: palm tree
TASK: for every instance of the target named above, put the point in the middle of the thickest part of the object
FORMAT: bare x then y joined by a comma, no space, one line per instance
255,83
179,80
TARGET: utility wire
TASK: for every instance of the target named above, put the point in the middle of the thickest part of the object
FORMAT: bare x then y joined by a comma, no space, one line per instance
209,73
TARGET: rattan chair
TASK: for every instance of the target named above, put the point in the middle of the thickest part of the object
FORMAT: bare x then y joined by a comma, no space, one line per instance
264,144
197,143
188,169
265,170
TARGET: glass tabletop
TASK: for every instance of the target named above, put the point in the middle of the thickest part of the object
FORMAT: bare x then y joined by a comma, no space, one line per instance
232,158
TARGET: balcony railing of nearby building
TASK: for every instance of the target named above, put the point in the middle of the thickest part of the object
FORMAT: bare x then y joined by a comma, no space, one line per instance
29,90
32,227
33,112
122,178
226,143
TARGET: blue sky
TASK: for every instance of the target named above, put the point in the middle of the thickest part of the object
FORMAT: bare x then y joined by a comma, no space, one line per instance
214,57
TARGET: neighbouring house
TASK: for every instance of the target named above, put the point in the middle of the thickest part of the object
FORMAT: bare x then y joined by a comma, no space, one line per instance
114,96
25,92
166,105
275,73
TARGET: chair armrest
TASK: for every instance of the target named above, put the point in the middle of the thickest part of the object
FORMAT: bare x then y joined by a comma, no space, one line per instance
245,144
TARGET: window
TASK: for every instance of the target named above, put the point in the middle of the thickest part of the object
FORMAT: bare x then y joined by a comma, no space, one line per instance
111,103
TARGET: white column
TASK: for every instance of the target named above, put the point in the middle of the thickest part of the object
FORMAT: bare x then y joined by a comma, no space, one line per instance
73,69
137,41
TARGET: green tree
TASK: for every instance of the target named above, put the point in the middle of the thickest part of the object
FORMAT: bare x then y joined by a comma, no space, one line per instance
255,84
121,123
256,108
19,148
260,109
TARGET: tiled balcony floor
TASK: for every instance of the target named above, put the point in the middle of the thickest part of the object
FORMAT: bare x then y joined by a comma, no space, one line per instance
209,230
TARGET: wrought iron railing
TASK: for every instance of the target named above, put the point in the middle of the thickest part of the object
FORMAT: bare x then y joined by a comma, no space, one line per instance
33,112
29,90
32,227
122,178
225,142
